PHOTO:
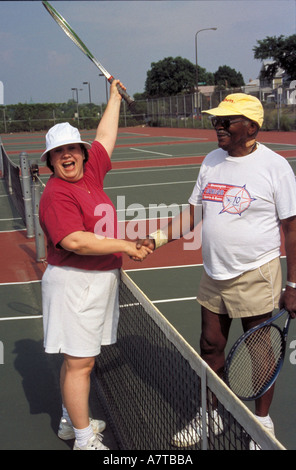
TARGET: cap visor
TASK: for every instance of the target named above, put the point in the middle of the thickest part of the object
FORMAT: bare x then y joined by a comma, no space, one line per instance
43,156
221,112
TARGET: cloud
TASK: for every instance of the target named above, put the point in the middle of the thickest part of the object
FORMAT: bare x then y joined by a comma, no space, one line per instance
57,61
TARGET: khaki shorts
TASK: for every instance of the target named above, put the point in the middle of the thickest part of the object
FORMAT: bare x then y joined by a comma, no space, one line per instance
253,293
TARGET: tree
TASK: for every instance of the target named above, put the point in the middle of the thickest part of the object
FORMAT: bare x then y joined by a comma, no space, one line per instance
171,76
228,77
282,50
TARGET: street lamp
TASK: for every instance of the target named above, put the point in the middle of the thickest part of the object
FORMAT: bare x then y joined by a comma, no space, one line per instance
76,89
106,83
196,65
87,83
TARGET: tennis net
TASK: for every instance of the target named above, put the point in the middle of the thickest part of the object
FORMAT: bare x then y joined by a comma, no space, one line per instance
152,385
11,174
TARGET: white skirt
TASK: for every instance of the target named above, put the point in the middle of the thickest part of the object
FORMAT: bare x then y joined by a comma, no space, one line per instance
80,310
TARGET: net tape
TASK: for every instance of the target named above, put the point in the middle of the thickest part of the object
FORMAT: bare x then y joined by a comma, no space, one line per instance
11,173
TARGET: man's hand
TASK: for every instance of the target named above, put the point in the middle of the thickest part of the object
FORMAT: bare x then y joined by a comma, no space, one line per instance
148,242
288,301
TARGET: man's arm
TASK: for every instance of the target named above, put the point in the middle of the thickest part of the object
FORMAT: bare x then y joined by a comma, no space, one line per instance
177,228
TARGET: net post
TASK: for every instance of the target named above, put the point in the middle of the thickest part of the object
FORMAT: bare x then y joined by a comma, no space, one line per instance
203,377
7,175
1,159
36,194
26,186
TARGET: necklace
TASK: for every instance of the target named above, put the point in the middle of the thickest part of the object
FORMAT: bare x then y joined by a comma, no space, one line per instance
84,188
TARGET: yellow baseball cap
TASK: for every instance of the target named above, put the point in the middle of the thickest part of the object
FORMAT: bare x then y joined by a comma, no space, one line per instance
240,104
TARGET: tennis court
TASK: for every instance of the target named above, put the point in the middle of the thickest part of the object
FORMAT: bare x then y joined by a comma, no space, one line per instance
152,167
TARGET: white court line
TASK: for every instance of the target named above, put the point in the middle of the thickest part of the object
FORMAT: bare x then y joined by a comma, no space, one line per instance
149,151
32,317
163,267
190,167
12,231
134,133
181,299
13,218
18,283
280,143
150,184
137,209
28,317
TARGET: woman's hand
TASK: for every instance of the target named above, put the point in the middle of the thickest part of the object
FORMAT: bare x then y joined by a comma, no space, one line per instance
137,254
114,89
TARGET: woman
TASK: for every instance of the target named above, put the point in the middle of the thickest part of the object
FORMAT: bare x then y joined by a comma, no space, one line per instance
80,284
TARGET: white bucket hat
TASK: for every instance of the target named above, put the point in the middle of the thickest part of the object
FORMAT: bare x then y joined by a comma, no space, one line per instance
62,134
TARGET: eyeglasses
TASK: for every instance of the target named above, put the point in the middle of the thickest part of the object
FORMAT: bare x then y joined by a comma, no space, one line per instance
224,122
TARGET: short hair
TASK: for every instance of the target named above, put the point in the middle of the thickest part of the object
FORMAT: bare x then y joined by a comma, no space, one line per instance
84,150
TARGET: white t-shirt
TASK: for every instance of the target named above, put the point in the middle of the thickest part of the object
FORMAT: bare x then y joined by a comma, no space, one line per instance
243,200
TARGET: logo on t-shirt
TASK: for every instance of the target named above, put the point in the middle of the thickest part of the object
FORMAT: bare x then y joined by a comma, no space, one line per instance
234,199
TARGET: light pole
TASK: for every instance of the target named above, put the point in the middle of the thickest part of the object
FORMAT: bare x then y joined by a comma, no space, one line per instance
87,83
76,89
106,83
196,65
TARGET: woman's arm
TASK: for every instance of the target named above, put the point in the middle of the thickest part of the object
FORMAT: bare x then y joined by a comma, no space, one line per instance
87,243
108,127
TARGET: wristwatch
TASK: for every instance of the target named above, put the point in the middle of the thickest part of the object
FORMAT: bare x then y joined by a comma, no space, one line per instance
291,284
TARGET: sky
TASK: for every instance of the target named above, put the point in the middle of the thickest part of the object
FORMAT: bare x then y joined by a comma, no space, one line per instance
40,64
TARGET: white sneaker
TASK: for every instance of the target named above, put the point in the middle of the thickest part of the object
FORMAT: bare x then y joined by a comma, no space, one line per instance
66,430
94,443
269,426
192,433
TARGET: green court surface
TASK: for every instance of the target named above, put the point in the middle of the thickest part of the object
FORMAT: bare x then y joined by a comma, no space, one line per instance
29,413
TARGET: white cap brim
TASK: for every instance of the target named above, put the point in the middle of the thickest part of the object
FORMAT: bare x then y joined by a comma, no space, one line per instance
60,144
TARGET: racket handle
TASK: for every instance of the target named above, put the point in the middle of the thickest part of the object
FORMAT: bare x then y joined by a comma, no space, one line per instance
130,102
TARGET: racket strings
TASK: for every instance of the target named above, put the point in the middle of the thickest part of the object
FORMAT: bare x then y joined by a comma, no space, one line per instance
255,362
69,32
75,38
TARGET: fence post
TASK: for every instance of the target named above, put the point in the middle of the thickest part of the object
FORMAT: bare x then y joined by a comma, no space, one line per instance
36,194
26,184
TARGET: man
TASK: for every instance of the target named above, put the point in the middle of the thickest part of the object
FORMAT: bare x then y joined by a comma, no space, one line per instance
246,192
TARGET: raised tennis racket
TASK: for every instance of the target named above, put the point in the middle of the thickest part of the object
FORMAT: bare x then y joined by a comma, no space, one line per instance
255,360
73,36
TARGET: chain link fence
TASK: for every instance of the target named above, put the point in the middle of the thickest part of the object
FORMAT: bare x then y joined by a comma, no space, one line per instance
184,110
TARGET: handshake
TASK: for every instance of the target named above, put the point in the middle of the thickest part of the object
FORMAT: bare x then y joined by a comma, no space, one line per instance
148,245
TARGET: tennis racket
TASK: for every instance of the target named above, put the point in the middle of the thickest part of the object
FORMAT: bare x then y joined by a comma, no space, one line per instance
77,41
255,360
